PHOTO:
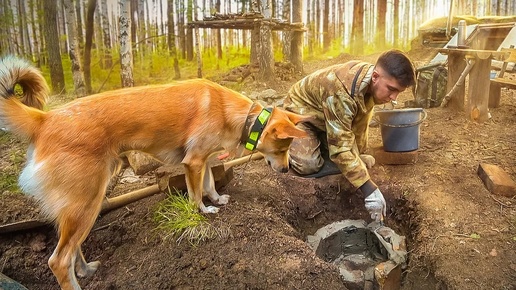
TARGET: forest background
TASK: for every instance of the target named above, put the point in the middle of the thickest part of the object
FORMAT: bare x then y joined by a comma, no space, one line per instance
86,46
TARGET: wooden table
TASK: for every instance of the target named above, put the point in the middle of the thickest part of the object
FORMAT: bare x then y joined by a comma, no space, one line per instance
477,64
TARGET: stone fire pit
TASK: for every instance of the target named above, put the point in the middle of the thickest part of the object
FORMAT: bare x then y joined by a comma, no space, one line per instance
368,256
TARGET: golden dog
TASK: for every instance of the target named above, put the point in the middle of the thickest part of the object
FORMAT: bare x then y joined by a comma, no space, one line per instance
74,150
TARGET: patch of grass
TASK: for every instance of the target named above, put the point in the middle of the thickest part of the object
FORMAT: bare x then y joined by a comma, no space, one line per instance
13,158
9,181
4,137
177,217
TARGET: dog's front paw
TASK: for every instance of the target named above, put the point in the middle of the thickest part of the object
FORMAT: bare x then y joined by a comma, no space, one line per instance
210,209
87,270
223,199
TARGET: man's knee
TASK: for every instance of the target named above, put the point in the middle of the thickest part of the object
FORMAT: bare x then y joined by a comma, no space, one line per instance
305,166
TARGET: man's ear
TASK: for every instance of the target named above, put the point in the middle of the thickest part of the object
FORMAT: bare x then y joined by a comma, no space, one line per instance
375,75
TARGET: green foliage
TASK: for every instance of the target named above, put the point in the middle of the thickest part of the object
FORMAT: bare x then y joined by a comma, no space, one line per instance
176,216
9,173
157,66
153,68
231,57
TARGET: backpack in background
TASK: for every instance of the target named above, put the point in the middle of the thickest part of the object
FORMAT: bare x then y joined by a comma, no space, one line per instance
430,88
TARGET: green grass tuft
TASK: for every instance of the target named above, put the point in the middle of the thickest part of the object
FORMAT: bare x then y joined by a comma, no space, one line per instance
177,217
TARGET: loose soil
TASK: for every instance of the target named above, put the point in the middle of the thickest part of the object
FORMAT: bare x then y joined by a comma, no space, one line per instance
459,235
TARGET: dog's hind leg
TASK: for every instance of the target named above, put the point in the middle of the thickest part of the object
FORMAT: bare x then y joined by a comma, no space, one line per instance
83,268
75,221
209,188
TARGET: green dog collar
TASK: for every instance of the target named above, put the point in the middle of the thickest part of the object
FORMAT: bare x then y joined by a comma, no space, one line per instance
257,129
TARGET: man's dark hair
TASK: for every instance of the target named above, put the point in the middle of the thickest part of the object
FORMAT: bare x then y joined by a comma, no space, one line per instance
397,64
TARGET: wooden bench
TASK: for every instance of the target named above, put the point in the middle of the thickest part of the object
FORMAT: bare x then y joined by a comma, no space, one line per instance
500,82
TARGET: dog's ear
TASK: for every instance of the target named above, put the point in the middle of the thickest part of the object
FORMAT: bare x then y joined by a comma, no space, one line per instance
296,118
286,130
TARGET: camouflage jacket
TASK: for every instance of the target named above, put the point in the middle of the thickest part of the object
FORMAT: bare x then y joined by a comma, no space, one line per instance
342,110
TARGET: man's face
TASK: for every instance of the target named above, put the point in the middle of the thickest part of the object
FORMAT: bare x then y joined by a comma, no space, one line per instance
384,87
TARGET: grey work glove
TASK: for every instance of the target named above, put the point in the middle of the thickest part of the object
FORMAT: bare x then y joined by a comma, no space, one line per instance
375,205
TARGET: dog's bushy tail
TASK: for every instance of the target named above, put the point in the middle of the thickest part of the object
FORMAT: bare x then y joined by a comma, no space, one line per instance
21,106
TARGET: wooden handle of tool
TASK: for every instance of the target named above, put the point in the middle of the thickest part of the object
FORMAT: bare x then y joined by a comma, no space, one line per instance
127,198
242,160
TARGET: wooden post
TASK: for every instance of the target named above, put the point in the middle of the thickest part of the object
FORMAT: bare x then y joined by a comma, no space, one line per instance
495,92
456,65
478,90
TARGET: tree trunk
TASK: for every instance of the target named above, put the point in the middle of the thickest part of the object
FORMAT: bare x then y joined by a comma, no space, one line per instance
52,41
107,59
61,24
317,21
326,30
35,32
218,32
88,43
22,27
198,52
396,20
255,44
287,34
297,37
4,28
98,43
266,56
380,26
309,24
358,27
41,25
172,38
181,28
73,49
126,58
189,32
80,36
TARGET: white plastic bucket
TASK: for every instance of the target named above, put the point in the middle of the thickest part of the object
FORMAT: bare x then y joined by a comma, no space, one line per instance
400,128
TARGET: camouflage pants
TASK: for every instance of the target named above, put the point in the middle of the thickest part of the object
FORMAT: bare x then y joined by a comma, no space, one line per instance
306,154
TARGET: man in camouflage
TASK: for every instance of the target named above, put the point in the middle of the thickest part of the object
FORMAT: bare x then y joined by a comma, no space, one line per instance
341,98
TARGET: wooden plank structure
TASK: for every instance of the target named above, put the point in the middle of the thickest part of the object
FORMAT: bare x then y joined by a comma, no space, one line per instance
500,82
479,75
261,31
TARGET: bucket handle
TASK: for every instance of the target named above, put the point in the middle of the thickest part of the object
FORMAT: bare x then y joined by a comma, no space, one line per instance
402,125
